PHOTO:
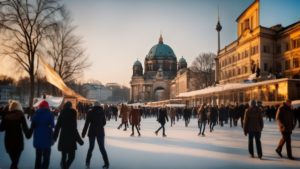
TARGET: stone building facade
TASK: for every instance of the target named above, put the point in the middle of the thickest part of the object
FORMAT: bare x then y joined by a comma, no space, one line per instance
162,77
260,51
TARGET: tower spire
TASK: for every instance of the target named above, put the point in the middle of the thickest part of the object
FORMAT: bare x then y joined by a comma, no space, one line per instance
218,28
160,39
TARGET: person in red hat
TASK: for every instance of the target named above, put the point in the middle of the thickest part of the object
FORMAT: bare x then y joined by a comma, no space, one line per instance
42,126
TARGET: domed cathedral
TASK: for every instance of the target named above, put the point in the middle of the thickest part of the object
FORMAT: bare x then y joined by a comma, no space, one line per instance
160,70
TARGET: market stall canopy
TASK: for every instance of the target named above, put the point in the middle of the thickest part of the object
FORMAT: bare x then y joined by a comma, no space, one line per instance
53,78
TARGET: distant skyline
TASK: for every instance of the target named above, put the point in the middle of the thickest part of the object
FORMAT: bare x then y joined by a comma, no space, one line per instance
118,32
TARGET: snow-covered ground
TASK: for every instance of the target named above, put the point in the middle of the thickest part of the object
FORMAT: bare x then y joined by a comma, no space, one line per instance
182,149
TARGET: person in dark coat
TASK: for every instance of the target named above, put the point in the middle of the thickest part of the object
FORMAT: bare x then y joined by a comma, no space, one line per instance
66,128
202,118
186,116
253,125
134,119
222,112
14,124
42,126
94,124
162,118
286,123
213,118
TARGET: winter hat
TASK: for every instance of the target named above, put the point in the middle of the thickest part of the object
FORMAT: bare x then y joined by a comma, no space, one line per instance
44,104
15,105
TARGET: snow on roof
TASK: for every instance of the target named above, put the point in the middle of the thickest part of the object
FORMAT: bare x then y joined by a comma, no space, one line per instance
175,105
296,103
229,86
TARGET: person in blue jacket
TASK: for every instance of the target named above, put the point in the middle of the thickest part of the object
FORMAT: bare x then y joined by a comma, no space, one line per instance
42,126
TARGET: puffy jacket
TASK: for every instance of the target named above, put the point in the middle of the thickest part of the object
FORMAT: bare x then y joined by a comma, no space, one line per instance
42,126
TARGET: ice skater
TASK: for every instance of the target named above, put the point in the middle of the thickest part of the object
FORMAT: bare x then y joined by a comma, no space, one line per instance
94,124
134,119
202,118
162,118
67,127
14,124
124,116
253,125
286,123
42,126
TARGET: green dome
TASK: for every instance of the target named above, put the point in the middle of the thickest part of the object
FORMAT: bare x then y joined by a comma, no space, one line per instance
137,63
182,60
161,51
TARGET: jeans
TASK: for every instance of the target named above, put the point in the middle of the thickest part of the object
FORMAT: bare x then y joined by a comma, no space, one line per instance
286,138
161,127
66,163
134,125
42,158
200,125
100,140
14,156
257,136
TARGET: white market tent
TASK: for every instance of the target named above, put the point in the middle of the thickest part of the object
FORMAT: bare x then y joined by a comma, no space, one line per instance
54,102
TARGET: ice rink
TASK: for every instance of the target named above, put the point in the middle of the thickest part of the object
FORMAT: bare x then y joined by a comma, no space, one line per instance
182,149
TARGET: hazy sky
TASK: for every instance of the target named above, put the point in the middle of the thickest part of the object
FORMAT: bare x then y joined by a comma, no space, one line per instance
118,32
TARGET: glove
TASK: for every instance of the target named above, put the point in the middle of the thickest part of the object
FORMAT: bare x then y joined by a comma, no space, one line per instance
81,142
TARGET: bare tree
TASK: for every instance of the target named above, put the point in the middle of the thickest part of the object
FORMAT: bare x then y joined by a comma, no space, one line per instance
25,24
204,64
65,49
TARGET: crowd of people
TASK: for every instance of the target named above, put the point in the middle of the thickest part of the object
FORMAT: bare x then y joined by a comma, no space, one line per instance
45,132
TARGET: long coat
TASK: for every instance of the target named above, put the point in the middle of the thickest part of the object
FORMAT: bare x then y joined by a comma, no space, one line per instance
253,120
95,122
67,127
42,126
285,118
162,116
14,125
124,113
202,115
134,116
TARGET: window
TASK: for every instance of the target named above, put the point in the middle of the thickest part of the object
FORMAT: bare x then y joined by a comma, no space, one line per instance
266,49
265,66
245,69
246,53
295,43
251,26
246,24
287,46
278,49
287,64
296,62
